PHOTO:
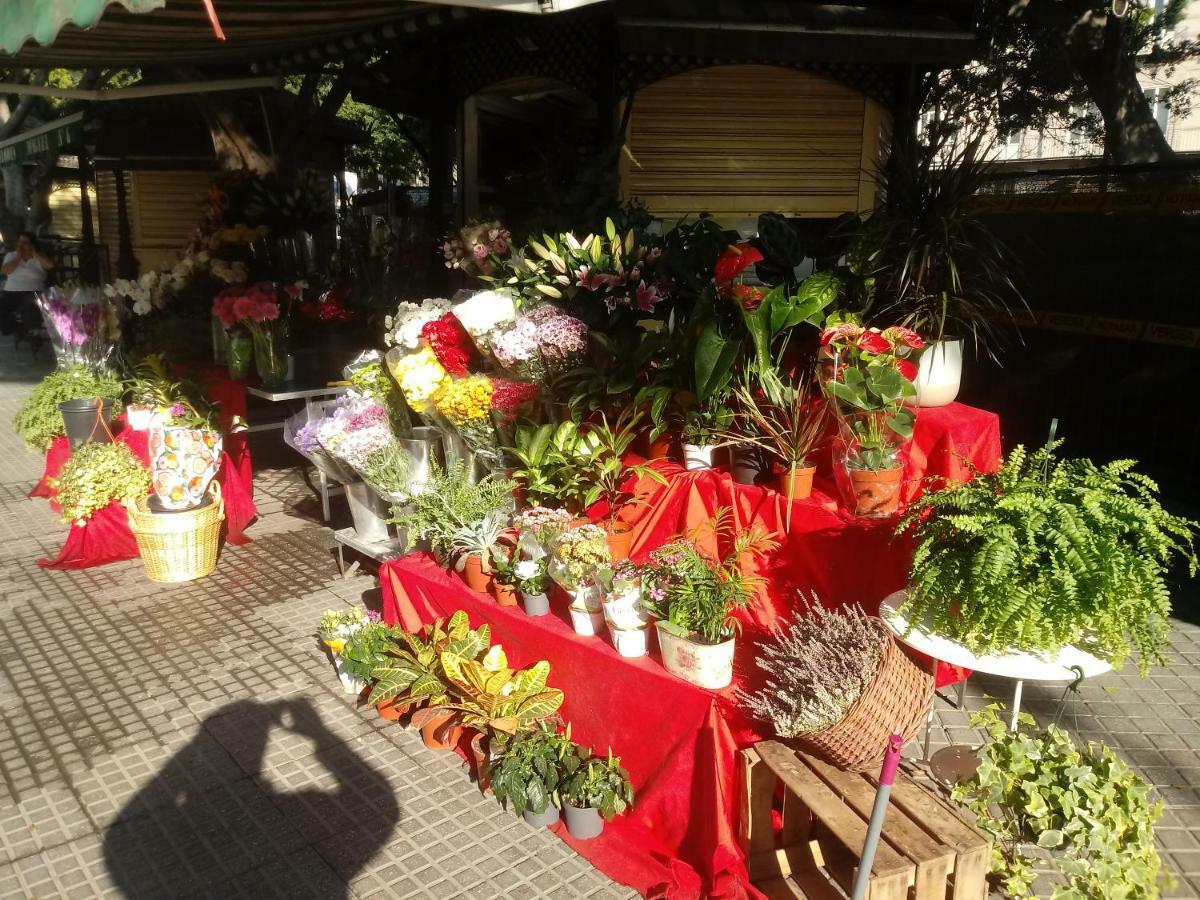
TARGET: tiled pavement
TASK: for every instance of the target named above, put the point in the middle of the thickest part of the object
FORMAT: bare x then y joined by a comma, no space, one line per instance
179,741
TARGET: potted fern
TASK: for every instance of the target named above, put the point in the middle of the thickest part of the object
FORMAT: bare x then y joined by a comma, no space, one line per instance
693,594
1046,553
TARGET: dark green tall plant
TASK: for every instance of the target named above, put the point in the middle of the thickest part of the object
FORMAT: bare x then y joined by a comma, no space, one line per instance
936,265
1045,553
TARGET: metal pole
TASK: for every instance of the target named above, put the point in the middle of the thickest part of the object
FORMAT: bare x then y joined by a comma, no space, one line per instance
887,777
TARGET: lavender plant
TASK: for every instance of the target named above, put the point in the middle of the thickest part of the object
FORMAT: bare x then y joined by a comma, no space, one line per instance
816,668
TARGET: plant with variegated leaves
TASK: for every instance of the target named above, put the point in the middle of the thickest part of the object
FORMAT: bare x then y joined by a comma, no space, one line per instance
488,695
413,672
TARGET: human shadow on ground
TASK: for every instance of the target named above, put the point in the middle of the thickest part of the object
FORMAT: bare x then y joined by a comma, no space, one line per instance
210,820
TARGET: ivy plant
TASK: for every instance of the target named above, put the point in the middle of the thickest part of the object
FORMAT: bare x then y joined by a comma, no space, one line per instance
1048,552
1086,806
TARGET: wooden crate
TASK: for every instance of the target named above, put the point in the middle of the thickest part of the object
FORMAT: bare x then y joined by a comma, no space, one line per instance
928,851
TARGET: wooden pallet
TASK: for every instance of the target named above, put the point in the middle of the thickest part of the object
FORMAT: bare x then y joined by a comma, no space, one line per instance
928,851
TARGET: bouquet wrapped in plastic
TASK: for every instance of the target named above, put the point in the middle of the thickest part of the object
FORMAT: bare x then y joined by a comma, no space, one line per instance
539,344
403,328
484,315
539,528
579,564
419,375
83,328
464,408
300,433
511,401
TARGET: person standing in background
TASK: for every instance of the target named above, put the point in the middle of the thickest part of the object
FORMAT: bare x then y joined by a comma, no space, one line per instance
26,268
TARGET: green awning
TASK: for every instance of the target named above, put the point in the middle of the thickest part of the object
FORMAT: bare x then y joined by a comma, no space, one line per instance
40,20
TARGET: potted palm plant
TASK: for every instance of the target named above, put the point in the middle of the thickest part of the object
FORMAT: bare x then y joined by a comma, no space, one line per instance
594,789
694,592
527,771
788,422
937,267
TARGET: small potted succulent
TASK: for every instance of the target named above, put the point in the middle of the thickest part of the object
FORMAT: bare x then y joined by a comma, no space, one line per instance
625,611
527,771
693,593
533,583
581,559
473,546
593,789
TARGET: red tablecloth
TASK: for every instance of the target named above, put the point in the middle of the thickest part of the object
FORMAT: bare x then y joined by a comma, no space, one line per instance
679,741
106,537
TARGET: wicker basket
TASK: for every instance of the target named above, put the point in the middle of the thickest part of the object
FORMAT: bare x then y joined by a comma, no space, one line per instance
178,546
896,702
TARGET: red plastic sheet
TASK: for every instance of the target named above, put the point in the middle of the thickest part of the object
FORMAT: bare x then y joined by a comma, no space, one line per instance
678,741
106,537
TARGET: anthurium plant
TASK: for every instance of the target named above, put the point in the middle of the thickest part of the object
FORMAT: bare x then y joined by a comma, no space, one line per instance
868,374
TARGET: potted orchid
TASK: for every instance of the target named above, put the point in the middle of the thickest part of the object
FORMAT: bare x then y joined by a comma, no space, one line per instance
580,563
868,375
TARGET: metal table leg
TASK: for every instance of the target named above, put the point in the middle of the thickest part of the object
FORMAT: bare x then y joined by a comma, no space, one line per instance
1016,705
933,664
324,494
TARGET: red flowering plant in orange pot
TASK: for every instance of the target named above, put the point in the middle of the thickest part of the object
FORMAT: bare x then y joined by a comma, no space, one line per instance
867,373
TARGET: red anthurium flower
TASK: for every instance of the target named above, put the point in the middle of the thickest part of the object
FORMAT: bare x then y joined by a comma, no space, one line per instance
898,334
907,368
873,342
734,261
747,296
845,330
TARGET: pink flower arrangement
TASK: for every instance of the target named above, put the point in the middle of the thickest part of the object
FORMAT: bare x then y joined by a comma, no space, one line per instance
257,303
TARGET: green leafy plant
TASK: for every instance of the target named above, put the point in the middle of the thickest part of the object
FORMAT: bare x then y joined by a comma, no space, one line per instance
451,502
95,476
595,782
39,420
1086,805
533,579
411,673
483,536
611,477
785,419
694,593
1046,553
529,768
487,695
366,650
552,462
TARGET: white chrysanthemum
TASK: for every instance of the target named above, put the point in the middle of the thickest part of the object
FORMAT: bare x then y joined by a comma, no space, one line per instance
483,312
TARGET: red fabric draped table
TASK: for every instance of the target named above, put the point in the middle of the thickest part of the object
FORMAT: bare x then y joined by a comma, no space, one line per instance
106,538
678,741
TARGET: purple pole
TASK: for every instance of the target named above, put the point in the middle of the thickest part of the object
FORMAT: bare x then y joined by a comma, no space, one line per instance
887,777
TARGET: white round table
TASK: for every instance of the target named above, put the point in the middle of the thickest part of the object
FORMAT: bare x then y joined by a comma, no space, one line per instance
1018,666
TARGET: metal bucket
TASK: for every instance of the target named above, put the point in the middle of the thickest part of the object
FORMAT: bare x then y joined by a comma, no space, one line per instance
369,512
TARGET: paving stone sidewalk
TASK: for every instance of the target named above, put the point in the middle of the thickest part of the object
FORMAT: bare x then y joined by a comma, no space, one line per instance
192,741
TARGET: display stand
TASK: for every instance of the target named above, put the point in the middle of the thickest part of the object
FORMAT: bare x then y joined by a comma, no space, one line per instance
380,551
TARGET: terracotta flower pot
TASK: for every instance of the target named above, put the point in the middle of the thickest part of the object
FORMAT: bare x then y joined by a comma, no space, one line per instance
662,447
876,494
620,539
506,594
797,483
483,761
438,731
474,575
388,710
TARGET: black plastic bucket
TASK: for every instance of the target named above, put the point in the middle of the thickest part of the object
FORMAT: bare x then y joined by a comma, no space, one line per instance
86,421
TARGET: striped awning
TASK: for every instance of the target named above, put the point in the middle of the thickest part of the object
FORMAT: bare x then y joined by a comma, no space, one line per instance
145,33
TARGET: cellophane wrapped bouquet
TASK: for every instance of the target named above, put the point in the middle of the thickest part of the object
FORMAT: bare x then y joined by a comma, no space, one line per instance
484,315
463,408
540,344
84,328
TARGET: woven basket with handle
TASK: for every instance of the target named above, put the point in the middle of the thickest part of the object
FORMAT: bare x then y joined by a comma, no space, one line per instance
178,546
897,701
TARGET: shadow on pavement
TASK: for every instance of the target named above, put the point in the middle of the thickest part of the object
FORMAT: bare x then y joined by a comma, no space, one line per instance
184,835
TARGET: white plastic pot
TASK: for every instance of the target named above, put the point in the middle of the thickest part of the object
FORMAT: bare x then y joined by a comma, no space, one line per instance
630,643
624,611
535,604
139,418
588,624
706,665
350,684
696,458
587,596
939,373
